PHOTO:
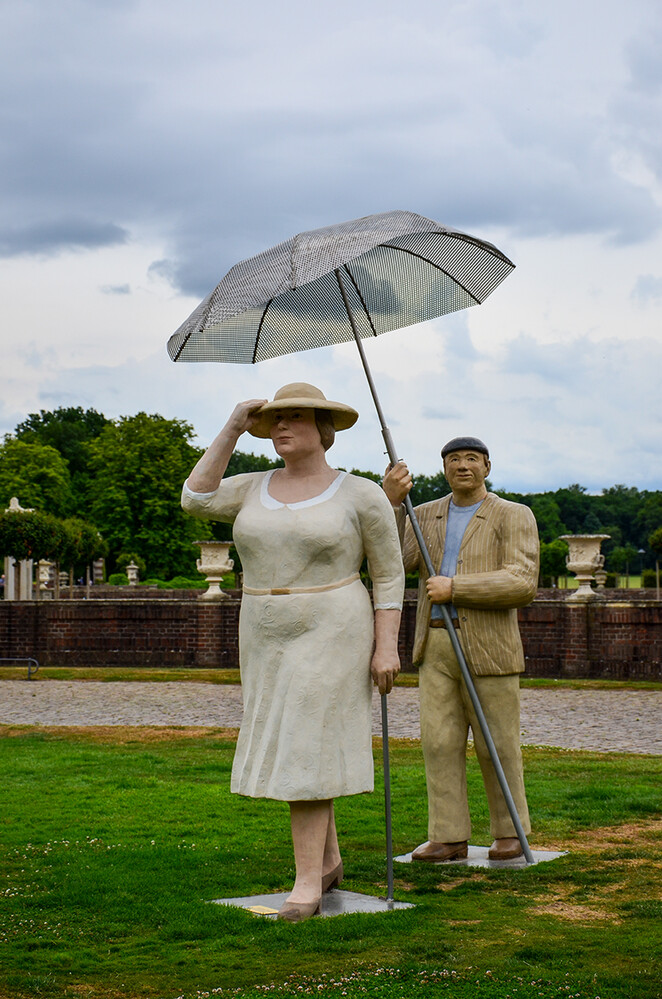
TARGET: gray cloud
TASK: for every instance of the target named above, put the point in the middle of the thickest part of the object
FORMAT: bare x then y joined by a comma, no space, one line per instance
224,139
63,234
647,290
215,131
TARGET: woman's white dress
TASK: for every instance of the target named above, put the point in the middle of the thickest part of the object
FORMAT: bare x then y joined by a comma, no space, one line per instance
305,656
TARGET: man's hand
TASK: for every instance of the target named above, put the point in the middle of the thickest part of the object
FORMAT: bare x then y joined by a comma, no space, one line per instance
384,668
440,589
397,483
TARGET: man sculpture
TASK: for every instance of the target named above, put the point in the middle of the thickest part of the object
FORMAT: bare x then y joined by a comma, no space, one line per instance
486,549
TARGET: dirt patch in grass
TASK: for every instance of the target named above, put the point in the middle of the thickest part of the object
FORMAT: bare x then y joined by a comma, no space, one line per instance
563,906
120,734
631,835
449,885
575,913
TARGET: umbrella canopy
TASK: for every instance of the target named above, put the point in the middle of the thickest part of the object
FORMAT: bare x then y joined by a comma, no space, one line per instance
398,269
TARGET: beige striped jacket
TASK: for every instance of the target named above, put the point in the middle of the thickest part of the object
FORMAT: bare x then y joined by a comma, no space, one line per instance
497,572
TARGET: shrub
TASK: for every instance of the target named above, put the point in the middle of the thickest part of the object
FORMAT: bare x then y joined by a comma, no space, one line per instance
118,579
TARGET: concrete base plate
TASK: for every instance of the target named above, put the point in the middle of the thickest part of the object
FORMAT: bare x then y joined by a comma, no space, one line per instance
334,903
477,857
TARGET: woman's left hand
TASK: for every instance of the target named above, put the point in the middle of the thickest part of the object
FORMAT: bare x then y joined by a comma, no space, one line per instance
384,668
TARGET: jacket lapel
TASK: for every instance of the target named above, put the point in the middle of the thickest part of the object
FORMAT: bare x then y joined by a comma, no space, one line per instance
478,519
441,525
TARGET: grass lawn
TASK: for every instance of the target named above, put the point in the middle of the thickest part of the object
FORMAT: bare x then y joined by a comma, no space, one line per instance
114,841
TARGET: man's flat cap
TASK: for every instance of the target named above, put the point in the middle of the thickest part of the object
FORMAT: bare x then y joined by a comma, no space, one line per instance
464,444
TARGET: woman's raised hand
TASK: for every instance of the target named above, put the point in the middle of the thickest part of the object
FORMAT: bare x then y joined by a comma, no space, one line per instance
207,474
244,415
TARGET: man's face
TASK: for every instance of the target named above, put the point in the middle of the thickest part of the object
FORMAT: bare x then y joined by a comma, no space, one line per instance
466,471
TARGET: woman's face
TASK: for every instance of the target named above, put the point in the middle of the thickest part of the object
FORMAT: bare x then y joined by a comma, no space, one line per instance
294,432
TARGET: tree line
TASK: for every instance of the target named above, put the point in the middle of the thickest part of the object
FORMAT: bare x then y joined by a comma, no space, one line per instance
117,483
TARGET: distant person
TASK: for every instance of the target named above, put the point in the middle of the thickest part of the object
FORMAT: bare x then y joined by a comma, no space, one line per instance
486,549
307,625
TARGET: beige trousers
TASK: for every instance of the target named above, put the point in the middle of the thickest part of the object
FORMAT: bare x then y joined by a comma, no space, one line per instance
446,715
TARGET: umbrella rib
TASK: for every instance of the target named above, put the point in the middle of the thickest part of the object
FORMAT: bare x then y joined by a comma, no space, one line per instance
361,299
196,329
182,345
432,264
259,330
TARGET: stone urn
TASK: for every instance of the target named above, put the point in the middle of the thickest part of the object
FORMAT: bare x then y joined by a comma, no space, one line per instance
213,563
44,577
583,560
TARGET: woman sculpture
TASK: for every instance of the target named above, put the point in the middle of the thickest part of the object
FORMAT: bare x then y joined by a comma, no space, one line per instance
309,637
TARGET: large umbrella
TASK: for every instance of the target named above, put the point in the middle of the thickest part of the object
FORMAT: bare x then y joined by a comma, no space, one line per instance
397,269
346,282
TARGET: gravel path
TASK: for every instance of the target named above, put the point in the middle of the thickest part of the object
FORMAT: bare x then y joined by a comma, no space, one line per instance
627,721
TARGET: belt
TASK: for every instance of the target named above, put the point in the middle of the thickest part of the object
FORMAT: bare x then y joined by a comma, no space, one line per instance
279,591
438,622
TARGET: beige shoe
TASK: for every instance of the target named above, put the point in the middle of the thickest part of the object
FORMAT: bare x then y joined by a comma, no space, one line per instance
434,852
333,878
296,912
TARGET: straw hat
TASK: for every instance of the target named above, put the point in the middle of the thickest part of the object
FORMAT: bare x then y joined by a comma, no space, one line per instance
301,395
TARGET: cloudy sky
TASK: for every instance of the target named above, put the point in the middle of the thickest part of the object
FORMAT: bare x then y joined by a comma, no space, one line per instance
147,145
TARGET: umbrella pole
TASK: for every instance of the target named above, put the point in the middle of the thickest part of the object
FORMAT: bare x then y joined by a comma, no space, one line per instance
457,648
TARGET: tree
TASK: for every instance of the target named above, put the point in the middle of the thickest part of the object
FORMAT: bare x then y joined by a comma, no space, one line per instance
553,556
649,517
429,487
574,505
139,465
655,542
83,544
621,506
69,430
548,517
241,462
619,558
37,474
592,524
31,535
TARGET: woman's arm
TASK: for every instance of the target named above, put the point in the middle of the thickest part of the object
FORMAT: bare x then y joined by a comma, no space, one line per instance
207,474
385,664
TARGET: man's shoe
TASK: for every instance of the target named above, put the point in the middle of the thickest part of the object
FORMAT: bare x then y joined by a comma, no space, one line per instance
508,848
434,852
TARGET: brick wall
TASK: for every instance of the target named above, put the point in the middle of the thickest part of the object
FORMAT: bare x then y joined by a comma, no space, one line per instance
619,639
164,633
607,639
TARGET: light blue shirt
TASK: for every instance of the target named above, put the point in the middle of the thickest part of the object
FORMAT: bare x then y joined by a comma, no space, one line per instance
458,521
